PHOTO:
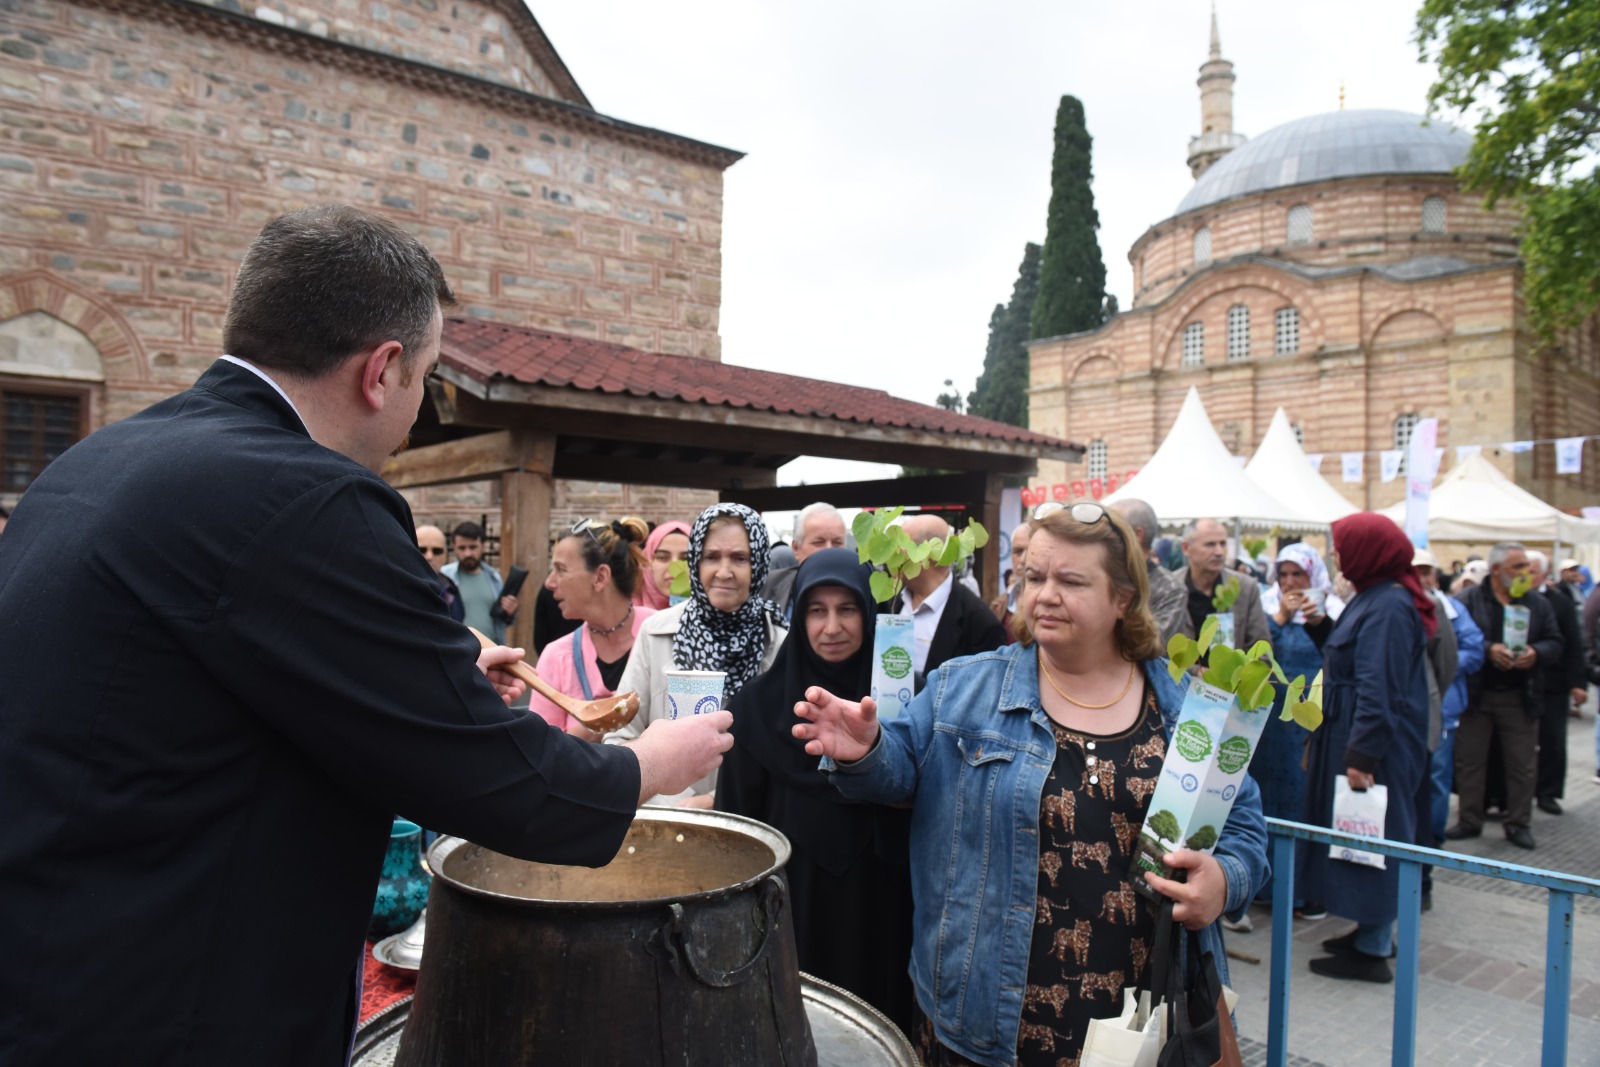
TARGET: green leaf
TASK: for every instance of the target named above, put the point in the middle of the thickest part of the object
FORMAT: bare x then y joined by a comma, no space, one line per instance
1520,586
910,570
1224,668
980,536
1208,632
860,528
1183,652
1226,593
1261,649
879,548
678,573
950,552
1307,714
1291,697
1252,684
883,587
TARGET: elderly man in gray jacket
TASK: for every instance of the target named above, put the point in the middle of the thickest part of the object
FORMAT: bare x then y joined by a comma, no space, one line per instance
1205,545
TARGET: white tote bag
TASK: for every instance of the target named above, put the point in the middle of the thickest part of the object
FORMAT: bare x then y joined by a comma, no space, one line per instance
1360,813
1132,1039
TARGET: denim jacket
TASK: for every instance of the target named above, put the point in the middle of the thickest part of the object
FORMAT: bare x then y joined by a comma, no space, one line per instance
973,750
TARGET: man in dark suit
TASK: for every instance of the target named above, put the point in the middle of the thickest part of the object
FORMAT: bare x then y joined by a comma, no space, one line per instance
226,666
1563,684
948,618
1505,697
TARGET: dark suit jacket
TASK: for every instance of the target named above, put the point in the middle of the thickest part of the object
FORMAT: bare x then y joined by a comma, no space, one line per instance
1544,637
966,628
226,667
1570,671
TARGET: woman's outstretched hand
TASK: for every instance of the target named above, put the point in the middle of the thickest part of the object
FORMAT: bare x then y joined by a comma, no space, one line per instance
836,727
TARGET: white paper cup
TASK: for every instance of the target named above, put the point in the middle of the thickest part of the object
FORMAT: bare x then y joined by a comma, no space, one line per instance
1317,600
694,692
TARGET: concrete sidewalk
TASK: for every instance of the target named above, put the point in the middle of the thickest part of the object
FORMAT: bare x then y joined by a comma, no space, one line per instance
1482,980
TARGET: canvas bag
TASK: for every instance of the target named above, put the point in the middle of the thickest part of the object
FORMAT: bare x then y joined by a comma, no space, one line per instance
1359,812
1201,1028
1134,1038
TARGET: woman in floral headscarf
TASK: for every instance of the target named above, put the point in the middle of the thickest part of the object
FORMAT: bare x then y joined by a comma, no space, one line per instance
1301,609
721,627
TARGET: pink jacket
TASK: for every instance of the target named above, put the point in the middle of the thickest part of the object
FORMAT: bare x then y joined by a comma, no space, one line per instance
556,667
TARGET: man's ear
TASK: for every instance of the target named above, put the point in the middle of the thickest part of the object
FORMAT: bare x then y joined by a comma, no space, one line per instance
381,373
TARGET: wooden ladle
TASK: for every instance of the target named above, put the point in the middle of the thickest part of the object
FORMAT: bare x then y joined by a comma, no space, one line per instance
601,716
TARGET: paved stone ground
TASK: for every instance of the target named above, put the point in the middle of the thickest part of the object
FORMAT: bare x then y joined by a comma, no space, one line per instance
1482,964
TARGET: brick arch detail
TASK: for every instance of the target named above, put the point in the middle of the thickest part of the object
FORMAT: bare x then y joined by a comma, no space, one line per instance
1422,303
121,354
1089,357
1295,293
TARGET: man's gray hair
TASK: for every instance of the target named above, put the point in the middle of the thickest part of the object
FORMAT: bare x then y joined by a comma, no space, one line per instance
1192,527
1539,561
811,511
1501,552
1142,517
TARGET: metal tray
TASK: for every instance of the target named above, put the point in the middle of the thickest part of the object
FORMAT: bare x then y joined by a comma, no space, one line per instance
847,1030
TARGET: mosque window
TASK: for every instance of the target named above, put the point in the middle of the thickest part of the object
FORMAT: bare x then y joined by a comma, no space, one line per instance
1202,246
1299,230
35,428
1194,345
1402,434
1287,323
1238,332
1433,215
1097,461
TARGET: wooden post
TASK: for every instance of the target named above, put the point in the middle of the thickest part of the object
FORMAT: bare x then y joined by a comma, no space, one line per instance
525,522
991,566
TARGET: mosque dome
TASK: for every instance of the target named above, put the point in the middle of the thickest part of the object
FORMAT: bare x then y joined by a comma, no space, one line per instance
1340,144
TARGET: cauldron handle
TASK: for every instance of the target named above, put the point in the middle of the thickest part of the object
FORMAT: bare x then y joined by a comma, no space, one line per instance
676,930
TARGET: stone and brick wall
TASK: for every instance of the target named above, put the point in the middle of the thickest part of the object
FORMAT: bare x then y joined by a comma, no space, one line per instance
143,144
1355,222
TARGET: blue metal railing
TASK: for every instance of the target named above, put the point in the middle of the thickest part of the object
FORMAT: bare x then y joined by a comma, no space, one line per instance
1563,888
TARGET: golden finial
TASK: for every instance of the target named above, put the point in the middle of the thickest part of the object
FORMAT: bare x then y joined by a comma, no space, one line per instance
1341,96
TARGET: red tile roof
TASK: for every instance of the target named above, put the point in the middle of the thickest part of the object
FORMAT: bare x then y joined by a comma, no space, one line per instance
486,351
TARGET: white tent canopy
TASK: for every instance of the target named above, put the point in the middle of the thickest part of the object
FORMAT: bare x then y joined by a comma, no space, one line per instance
1477,504
1281,468
1194,476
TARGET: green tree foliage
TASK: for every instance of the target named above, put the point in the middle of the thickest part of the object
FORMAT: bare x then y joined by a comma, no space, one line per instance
1202,838
1001,392
1072,274
1532,69
1165,823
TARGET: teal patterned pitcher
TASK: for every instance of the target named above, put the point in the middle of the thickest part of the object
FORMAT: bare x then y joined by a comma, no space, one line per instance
403,889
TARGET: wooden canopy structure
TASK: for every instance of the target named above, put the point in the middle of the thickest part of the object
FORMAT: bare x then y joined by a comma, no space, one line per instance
528,407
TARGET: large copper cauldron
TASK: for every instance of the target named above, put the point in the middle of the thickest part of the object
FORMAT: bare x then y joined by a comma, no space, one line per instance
680,951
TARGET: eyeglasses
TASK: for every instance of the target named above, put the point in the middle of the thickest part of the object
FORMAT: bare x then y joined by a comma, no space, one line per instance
586,526
1085,512
428,550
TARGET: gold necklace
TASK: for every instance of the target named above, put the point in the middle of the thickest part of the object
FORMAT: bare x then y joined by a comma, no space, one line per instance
1062,693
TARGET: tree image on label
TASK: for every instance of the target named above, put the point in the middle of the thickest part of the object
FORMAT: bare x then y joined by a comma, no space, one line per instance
896,662
1233,755
1202,839
1193,741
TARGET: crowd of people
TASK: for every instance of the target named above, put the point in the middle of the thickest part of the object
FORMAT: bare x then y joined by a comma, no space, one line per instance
965,865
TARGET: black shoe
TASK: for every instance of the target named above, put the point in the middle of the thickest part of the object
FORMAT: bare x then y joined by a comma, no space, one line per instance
1461,831
1520,836
1550,805
1346,945
1427,900
1354,966
1312,910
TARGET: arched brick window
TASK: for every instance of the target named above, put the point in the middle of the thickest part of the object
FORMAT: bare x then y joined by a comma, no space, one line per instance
1238,333
1194,345
1286,330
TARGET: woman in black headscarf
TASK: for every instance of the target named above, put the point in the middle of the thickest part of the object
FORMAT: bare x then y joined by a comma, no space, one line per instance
849,884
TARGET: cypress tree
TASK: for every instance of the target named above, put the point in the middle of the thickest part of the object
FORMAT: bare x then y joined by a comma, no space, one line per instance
1072,275
1001,392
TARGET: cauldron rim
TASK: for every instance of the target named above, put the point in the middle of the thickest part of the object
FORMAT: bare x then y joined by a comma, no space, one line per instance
443,847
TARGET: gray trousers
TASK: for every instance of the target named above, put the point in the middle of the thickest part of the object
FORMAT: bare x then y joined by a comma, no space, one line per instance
1502,712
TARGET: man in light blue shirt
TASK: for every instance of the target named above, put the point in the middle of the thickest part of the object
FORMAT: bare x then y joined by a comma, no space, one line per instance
480,584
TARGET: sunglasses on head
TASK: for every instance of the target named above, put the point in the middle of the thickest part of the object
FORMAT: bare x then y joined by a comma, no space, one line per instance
1085,512
586,526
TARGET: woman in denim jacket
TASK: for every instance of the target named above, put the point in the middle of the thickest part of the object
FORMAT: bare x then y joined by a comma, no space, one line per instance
1029,771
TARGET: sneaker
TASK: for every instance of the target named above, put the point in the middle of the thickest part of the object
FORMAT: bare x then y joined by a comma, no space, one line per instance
1244,926
1311,911
1354,966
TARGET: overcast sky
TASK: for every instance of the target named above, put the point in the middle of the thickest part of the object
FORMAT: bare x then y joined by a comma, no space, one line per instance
899,152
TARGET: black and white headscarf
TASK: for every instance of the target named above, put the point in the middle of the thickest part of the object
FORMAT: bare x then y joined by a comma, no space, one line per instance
709,639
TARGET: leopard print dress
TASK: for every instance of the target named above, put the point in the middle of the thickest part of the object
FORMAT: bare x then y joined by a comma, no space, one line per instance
1091,933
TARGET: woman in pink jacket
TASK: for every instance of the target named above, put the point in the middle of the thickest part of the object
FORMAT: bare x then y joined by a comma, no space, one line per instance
595,569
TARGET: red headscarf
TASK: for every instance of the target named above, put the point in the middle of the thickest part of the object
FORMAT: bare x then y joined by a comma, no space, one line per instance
647,592
1373,549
